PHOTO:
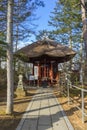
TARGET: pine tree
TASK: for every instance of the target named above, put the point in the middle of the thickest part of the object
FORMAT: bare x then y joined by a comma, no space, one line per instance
3,19
43,34
66,21
23,19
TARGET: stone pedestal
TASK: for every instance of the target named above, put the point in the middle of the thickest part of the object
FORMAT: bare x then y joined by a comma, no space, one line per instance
20,91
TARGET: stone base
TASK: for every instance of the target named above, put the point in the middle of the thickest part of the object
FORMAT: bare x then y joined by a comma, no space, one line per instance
20,93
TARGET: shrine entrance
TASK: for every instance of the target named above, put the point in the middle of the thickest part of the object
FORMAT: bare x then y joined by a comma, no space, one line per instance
45,55
47,73
44,70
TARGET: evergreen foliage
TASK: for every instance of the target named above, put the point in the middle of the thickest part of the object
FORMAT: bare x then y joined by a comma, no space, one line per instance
44,34
66,20
23,19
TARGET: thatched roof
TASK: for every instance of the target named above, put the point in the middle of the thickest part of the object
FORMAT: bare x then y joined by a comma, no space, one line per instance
47,48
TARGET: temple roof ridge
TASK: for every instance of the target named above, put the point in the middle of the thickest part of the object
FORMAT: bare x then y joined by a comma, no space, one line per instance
46,38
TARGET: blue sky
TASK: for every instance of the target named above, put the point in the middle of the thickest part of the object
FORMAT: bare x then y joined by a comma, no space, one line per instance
43,13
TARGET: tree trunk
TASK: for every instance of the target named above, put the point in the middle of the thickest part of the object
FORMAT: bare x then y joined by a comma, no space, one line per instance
9,109
84,20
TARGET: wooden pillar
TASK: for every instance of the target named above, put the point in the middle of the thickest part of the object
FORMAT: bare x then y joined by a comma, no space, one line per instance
33,69
39,75
57,76
44,70
44,67
51,72
47,72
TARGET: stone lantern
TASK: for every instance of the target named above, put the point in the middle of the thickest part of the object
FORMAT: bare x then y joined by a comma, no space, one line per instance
20,91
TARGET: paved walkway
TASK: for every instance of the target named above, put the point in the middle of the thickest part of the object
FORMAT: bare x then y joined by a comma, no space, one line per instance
44,113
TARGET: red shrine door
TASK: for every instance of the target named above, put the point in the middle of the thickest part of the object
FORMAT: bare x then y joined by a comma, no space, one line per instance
44,71
44,74
47,73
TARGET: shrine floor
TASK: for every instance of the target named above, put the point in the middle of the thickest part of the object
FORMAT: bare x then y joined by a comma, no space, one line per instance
44,113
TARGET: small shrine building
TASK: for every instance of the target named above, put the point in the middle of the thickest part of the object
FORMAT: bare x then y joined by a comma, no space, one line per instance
45,55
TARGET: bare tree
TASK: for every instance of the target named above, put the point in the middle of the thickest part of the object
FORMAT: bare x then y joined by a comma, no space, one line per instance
9,109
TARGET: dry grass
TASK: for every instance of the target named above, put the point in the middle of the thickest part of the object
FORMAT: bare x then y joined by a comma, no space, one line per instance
20,104
8,122
72,112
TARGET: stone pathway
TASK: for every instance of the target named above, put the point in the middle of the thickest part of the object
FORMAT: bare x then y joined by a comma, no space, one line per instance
44,113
